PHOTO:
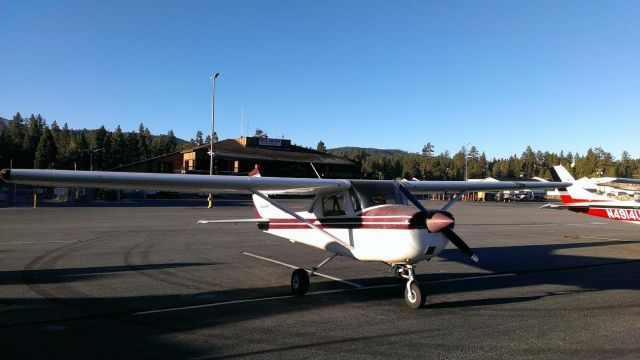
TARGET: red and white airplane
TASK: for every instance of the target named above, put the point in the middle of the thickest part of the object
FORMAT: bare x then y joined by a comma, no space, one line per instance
367,220
576,198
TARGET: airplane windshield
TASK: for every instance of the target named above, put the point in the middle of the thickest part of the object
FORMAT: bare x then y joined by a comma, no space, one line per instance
372,193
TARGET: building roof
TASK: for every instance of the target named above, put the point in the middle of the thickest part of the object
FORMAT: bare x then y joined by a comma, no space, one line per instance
231,149
125,166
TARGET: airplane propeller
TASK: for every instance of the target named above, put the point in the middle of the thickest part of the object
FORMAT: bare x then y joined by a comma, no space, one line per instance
440,221
459,243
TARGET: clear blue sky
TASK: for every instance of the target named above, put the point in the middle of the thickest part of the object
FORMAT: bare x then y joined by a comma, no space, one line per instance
501,75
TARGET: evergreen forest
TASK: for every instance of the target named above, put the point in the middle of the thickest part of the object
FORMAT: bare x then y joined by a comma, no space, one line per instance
32,143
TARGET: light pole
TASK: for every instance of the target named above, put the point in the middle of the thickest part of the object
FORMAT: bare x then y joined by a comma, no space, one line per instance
211,154
465,168
90,157
466,177
89,192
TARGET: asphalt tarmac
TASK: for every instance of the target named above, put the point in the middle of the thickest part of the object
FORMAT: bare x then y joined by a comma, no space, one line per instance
148,282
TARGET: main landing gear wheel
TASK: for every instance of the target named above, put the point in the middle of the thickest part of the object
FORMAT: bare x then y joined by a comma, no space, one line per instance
299,282
413,296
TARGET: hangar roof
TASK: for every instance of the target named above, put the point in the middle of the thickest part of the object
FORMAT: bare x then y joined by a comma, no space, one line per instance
232,149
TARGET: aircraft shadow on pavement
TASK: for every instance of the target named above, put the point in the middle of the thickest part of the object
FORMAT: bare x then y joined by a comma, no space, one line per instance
70,275
519,260
532,265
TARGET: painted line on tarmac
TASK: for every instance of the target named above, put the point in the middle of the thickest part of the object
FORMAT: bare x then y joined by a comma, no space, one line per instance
601,238
350,283
212,305
39,242
324,292
578,237
489,276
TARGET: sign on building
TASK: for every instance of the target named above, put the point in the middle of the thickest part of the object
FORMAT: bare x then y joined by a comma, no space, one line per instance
269,142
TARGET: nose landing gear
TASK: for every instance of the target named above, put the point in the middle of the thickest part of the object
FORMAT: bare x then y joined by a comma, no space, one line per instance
413,295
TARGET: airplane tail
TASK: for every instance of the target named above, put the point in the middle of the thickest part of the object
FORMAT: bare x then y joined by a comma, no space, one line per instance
574,193
559,173
255,172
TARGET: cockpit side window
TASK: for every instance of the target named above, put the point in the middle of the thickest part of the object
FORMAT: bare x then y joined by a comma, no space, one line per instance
355,201
333,205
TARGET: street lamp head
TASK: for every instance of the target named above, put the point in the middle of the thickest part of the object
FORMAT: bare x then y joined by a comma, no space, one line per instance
213,77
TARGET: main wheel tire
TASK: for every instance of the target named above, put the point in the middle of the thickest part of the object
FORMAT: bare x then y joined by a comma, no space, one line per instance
299,282
414,299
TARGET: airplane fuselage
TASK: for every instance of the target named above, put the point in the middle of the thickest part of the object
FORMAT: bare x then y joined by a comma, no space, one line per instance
386,233
615,210
577,199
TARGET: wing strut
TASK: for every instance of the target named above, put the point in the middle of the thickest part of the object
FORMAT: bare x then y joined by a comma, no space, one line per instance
309,223
316,171
453,200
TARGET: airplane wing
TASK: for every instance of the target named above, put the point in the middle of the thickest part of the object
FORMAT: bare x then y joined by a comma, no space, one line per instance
172,182
627,180
623,184
464,186
241,184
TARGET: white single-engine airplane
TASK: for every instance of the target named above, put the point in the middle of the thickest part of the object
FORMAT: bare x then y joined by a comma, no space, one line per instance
577,199
367,220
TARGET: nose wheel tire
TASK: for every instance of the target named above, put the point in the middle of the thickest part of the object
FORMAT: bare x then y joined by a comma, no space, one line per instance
299,282
413,295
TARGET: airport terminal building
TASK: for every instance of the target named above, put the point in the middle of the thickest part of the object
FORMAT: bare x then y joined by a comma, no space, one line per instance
275,157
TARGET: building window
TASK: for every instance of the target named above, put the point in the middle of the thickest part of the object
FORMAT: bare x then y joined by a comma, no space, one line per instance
165,167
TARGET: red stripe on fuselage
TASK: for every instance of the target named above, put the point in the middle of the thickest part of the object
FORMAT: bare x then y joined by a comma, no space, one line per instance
343,223
383,217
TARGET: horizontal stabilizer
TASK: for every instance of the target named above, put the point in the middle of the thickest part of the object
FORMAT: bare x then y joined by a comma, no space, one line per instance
234,221
629,205
566,206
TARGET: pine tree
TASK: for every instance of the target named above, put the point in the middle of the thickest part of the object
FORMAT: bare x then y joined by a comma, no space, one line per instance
625,168
83,159
118,147
321,146
55,131
427,150
46,152
99,156
33,133
133,145
17,130
5,140
170,143
143,142
107,158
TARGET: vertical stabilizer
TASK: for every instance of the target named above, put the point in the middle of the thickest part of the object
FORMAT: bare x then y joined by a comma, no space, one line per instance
559,173
574,193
